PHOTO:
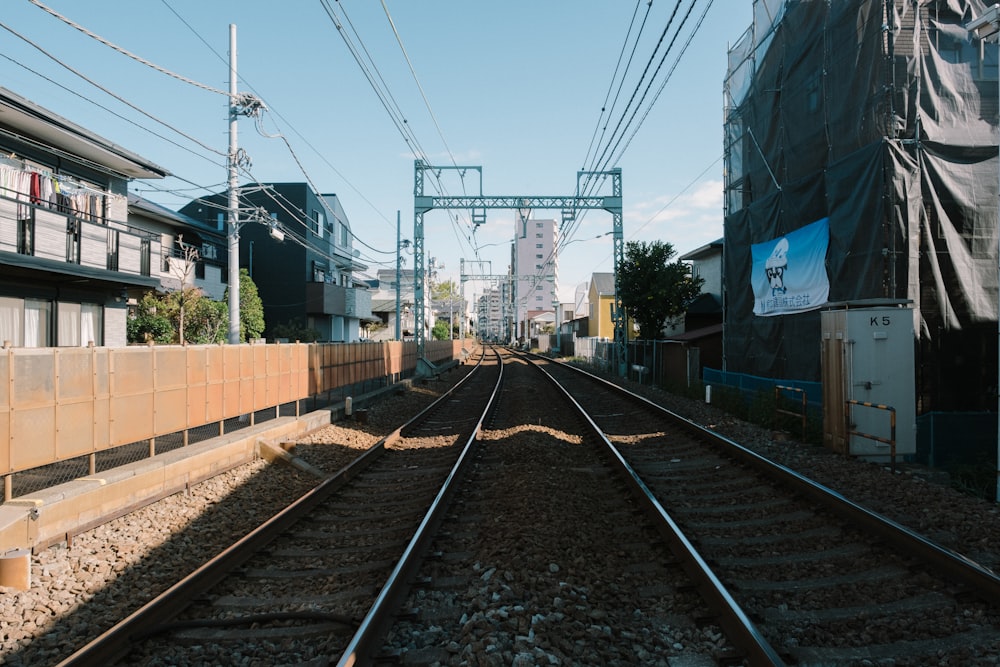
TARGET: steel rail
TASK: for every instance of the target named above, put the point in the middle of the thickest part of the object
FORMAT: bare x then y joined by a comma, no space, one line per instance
113,644
739,629
367,640
952,565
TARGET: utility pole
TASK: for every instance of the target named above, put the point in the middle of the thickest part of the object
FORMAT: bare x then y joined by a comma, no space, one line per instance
233,205
400,244
248,105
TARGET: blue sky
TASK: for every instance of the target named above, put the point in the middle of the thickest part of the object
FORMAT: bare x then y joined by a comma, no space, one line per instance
516,87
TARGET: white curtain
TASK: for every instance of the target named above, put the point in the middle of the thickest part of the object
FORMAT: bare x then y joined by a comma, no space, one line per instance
69,325
11,319
37,318
91,320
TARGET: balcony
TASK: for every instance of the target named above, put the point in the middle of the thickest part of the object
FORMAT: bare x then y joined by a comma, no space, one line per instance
329,299
47,234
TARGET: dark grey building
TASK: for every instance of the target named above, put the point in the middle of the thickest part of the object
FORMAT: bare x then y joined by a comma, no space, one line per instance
299,249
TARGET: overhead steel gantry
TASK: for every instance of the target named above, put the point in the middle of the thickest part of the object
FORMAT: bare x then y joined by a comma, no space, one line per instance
478,204
502,278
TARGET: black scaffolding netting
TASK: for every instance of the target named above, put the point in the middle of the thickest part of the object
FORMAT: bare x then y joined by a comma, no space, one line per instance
877,118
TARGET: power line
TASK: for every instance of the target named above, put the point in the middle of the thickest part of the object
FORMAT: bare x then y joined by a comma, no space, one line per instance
124,52
599,159
107,91
653,78
614,77
277,113
363,58
427,104
610,154
110,111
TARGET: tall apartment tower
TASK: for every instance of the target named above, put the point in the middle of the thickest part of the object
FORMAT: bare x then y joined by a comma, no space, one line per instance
535,268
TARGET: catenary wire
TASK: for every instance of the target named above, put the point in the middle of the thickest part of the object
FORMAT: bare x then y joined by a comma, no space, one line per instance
598,129
124,52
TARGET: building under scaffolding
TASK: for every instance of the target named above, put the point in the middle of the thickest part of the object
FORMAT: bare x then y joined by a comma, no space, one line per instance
877,121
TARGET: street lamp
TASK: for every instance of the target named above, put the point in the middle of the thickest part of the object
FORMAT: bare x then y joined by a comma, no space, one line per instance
589,238
986,28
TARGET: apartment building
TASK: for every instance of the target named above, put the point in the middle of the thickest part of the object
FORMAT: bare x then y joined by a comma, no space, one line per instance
69,258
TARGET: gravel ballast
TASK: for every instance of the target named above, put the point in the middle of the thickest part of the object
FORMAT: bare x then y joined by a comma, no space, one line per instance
81,589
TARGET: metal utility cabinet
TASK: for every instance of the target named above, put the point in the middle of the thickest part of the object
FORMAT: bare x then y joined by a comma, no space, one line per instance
868,379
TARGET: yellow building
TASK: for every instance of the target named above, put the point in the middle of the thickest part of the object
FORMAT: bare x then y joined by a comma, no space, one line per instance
601,298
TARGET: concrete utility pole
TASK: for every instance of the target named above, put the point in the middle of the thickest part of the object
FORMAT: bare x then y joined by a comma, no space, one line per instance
400,244
233,205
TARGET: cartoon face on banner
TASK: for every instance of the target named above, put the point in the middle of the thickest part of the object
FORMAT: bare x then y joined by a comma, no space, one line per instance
775,267
789,272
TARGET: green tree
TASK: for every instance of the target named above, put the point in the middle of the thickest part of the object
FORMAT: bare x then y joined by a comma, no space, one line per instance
654,291
440,330
149,324
445,291
447,302
207,322
251,308
295,330
158,319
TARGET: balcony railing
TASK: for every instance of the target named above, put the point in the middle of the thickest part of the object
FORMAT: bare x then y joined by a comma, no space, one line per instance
39,231
328,299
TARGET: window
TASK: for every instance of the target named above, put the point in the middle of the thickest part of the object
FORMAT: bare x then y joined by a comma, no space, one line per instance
73,241
145,251
538,235
345,235
220,220
113,243
26,235
68,316
539,256
78,324
37,323
91,324
25,322
538,225
316,223
538,245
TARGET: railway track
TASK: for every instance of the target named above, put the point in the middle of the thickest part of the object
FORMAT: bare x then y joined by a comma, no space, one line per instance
529,549
547,557
297,588
825,581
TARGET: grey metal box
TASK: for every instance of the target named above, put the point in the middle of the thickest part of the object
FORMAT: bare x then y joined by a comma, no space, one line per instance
868,355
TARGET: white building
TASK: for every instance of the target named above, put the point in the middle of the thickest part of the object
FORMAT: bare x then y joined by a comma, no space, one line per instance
535,268
490,323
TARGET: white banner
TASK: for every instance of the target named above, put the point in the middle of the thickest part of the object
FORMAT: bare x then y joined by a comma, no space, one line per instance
789,273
